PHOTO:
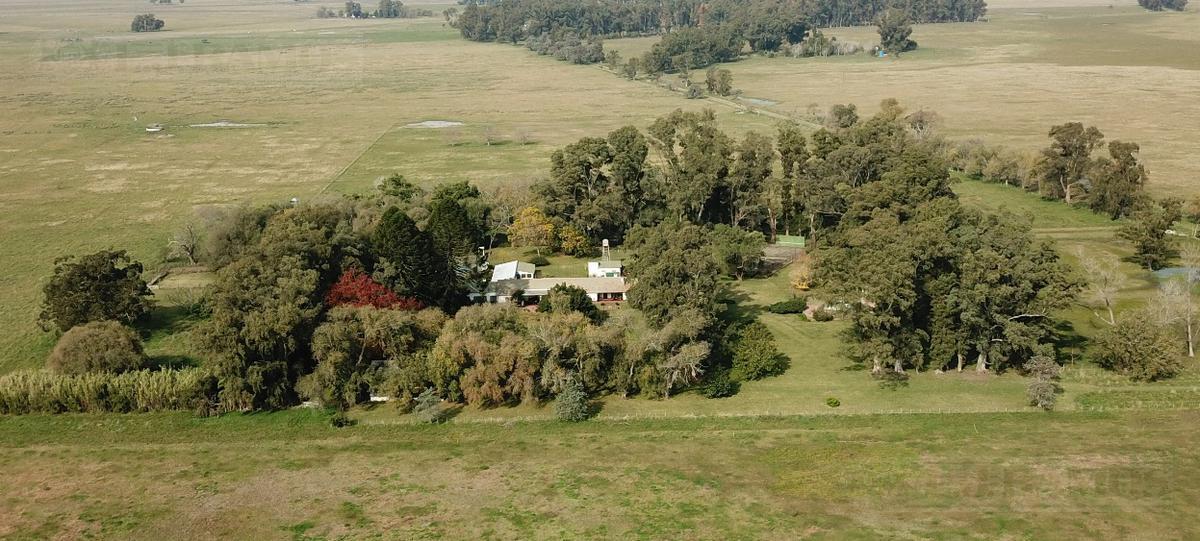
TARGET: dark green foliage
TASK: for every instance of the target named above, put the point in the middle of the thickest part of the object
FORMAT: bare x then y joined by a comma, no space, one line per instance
408,262
1066,163
755,355
571,405
671,269
1138,347
822,315
539,261
106,285
99,346
564,298
568,48
944,280
693,48
794,305
697,158
718,384
738,253
833,402
1159,5
763,24
339,419
895,27
266,305
1147,230
1117,181
599,185
146,23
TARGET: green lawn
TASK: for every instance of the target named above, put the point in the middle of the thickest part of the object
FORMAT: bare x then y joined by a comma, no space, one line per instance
291,476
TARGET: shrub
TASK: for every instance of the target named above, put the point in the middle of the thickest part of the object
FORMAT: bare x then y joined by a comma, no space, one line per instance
100,346
539,260
794,305
822,314
146,23
341,420
755,355
1139,348
1042,394
140,391
428,408
571,405
833,402
719,385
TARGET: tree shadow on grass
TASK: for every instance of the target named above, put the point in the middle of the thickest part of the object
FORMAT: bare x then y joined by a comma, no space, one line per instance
171,362
1068,340
164,320
740,307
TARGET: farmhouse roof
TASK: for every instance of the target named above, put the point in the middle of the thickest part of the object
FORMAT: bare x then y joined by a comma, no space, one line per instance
541,286
512,269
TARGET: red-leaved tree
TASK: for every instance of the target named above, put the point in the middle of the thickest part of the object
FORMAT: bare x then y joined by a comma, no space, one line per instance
355,288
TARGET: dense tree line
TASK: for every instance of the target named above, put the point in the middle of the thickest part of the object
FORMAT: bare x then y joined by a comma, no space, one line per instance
761,22
1160,5
386,9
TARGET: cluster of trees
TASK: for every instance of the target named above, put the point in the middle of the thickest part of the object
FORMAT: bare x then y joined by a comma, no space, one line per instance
146,23
895,27
927,281
818,44
568,47
1160,5
386,9
763,23
1068,170
701,175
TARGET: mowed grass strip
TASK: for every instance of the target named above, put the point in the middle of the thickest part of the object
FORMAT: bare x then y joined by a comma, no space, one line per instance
285,475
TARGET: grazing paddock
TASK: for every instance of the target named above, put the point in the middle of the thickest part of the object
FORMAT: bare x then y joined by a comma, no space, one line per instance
1129,72
78,173
1096,475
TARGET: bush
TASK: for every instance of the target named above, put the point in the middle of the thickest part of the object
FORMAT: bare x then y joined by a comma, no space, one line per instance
341,420
832,402
100,346
141,391
720,385
539,260
428,408
146,23
1042,394
794,305
571,405
1139,348
822,314
755,355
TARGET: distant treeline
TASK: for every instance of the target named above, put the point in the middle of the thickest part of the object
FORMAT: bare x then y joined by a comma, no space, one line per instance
516,20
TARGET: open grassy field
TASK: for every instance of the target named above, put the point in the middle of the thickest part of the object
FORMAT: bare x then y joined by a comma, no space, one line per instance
1129,72
1131,475
328,102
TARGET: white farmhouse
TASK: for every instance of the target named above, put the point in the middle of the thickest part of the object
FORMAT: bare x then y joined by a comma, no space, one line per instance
512,270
